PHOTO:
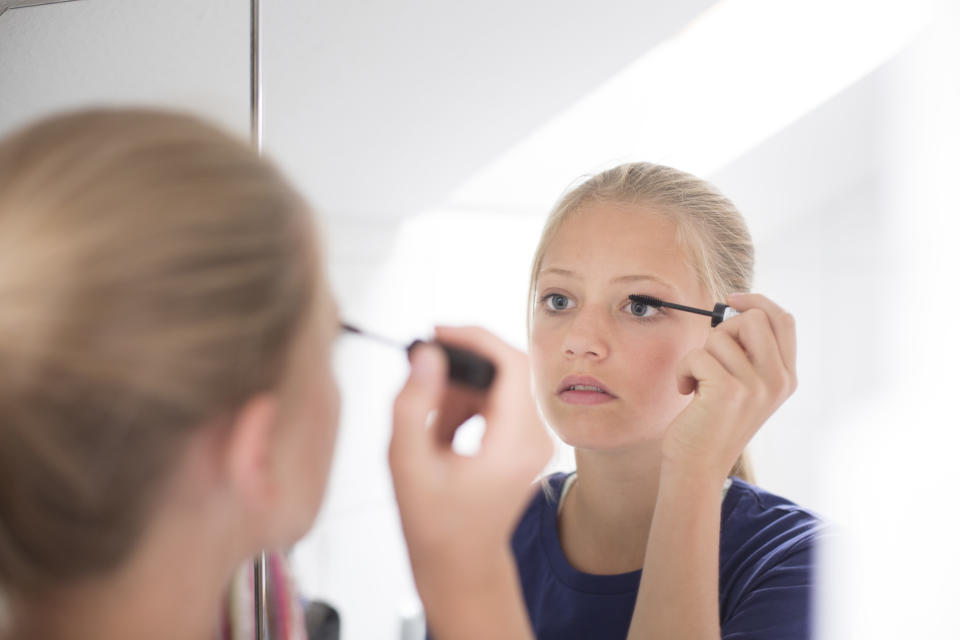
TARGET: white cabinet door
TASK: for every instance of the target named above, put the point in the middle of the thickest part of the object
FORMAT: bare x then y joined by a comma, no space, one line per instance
186,54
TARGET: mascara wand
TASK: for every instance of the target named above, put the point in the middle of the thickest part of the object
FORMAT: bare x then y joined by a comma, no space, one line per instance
720,311
465,367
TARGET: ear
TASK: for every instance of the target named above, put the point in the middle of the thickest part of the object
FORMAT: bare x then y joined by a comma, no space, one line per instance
249,459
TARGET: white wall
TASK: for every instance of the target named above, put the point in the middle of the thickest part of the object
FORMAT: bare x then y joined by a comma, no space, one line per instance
892,462
379,108
814,198
176,53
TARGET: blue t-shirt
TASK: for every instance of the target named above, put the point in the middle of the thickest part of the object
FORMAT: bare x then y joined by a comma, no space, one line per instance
766,572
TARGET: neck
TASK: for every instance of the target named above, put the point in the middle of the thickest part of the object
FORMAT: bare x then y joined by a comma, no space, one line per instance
606,519
147,600
170,586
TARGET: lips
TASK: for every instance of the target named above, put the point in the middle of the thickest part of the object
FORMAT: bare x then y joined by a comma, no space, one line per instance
568,384
584,390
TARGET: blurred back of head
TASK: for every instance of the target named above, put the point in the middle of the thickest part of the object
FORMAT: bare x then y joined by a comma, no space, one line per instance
153,275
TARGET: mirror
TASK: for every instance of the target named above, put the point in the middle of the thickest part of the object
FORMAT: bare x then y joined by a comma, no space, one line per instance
433,138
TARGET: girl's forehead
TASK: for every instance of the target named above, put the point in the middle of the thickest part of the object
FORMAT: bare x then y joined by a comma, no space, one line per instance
602,238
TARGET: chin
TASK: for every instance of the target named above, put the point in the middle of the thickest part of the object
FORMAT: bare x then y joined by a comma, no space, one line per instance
595,433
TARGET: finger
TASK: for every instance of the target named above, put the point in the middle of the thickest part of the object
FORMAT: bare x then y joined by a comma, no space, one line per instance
458,404
513,370
509,408
421,395
697,370
754,331
783,323
475,339
730,353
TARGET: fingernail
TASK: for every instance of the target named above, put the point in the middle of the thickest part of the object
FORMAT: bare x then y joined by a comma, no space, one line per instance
737,294
423,362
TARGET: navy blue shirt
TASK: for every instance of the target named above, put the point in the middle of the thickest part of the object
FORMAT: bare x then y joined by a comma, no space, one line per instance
766,567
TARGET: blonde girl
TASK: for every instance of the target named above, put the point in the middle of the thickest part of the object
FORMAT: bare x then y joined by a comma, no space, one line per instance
658,532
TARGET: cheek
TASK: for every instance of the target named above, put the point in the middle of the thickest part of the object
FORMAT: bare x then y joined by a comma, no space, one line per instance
324,424
327,410
653,360
319,425
654,364
543,352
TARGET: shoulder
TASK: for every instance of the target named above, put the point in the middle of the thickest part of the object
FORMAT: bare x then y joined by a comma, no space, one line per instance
544,501
762,528
749,506
767,552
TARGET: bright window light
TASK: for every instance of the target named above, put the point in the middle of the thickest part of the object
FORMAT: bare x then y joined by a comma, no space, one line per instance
757,65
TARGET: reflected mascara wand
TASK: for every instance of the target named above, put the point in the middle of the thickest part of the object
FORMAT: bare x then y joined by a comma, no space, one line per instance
465,367
720,311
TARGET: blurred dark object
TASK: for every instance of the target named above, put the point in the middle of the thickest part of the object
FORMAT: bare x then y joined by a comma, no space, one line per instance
322,620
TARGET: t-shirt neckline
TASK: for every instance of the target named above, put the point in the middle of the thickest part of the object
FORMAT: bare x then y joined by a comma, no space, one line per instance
574,578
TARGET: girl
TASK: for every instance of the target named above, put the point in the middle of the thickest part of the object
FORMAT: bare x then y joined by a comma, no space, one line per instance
659,407
167,406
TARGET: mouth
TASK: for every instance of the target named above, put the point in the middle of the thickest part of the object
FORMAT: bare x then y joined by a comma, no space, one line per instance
584,390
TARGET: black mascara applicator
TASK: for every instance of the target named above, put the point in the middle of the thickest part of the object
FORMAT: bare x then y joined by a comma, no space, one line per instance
465,367
720,311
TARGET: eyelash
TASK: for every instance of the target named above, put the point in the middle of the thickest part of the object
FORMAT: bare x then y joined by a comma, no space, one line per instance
657,312
545,298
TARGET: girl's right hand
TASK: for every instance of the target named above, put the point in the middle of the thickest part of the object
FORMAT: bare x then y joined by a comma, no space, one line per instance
744,372
458,512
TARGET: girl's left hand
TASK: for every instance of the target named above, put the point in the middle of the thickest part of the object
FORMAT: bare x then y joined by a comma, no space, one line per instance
743,373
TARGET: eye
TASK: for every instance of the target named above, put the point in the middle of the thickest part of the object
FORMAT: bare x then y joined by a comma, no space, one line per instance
557,302
640,309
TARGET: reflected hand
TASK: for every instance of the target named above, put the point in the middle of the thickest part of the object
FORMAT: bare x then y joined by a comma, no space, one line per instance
743,373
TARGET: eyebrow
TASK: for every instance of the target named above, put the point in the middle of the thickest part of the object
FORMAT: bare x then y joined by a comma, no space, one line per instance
641,277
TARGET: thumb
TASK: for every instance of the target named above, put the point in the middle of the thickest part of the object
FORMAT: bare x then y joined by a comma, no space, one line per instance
421,394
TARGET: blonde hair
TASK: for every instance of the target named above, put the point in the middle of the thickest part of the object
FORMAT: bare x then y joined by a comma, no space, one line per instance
709,227
154,273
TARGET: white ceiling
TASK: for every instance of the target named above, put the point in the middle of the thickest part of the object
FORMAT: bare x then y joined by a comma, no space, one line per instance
380,108
743,72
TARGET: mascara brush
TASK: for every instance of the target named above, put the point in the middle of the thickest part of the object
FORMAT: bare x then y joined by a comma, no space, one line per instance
465,367
720,311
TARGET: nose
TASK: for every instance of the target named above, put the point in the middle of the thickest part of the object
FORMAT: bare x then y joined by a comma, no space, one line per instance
587,336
